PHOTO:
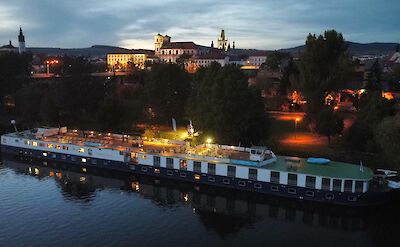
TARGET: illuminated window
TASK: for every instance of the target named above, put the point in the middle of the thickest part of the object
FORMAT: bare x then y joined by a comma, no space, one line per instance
197,177
81,150
45,154
144,157
49,145
35,144
183,164
157,171
58,147
83,160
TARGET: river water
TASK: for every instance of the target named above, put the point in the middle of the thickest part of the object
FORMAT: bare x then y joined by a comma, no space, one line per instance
59,205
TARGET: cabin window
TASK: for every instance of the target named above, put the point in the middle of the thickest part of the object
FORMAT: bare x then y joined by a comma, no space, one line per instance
5,140
63,157
170,163
65,147
41,144
156,161
292,179
170,173
292,191
35,144
83,160
274,188
49,145
253,173
58,147
73,158
330,196
183,174
231,171
257,186
94,162
310,182
348,185
183,164
196,166
253,151
81,150
144,169
359,186
157,171
326,184
211,179
352,198
275,177
242,183
310,193
211,168
226,181
337,185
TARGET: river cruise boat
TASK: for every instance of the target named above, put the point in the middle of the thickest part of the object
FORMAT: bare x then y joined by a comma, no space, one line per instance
255,168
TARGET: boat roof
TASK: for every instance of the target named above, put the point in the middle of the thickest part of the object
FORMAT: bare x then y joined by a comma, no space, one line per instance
333,169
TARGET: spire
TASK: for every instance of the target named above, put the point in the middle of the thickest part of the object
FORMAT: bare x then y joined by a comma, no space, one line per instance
212,44
229,46
233,46
222,37
10,43
21,37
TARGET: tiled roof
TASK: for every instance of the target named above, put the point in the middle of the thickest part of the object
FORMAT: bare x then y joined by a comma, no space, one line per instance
179,45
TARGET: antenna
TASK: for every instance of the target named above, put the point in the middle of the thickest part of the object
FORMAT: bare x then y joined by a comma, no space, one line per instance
15,126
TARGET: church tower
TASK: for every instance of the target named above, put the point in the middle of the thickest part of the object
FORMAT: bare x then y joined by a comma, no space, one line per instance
21,41
158,42
222,41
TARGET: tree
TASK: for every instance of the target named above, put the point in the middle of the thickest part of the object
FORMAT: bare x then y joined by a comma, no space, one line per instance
15,70
325,66
373,109
374,77
274,60
387,135
328,123
166,89
290,77
222,104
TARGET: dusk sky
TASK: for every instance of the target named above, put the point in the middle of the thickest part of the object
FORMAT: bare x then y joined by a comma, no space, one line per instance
263,24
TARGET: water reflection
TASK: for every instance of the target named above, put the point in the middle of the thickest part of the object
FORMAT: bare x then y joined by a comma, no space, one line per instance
225,212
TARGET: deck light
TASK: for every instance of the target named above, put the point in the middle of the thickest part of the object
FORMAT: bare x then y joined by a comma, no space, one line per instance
208,140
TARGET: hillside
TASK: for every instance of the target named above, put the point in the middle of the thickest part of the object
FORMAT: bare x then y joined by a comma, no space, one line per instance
376,48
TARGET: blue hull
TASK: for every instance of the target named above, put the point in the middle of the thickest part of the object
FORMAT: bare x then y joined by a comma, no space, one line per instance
331,197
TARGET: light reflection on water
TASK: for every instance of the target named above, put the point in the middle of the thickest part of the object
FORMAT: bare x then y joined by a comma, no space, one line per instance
60,205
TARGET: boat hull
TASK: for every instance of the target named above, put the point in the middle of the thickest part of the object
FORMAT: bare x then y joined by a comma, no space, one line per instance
369,198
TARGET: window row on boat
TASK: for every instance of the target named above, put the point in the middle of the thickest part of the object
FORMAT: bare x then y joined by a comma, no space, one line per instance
255,174
71,149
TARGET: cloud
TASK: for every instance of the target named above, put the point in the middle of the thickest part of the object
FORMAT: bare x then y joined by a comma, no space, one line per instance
263,24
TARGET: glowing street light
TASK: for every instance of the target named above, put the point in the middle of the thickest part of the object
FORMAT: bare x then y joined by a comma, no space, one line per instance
49,62
295,126
208,140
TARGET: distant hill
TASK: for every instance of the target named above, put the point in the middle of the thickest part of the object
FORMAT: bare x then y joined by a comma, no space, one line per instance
376,48
94,51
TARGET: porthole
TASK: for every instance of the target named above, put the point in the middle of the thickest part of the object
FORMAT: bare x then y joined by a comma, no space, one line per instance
291,191
257,186
226,181
211,179
274,188
157,171
242,183
310,193
183,175
144,169
170,173
329,196
352,198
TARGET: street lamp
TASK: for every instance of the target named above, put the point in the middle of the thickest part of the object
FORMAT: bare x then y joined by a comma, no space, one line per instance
49,62
295,127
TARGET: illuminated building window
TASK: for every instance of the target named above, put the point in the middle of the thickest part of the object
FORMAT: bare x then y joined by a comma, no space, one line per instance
81,150
35,144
